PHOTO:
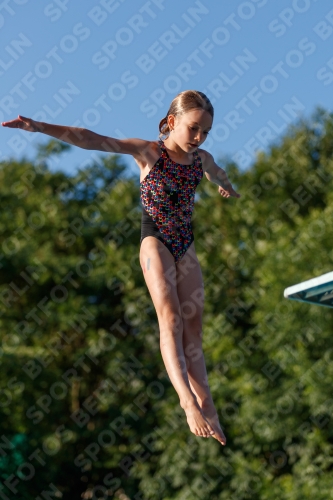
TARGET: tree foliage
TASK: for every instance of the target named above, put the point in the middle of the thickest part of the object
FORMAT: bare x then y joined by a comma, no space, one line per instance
86,407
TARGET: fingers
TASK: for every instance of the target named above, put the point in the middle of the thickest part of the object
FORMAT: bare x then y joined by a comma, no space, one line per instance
12,123
20,122
227,194
17,122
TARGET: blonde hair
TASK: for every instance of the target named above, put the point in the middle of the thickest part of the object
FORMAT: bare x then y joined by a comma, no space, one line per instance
183,102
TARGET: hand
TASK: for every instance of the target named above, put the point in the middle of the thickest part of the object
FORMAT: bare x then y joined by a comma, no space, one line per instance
23,123
228,191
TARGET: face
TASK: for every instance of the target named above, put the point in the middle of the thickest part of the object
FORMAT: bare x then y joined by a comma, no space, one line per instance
190,129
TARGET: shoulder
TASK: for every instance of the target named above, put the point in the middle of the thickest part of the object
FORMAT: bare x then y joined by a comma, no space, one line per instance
207,160
138,148
150,151
147,153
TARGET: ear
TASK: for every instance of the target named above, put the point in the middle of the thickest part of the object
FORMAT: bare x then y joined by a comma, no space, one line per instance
171,122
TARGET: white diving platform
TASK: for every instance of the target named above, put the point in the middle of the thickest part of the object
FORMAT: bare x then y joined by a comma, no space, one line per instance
314,291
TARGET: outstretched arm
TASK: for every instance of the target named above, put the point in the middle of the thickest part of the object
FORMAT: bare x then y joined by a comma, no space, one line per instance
216,174
81,137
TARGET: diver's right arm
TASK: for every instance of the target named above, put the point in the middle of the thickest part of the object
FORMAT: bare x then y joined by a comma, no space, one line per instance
81,137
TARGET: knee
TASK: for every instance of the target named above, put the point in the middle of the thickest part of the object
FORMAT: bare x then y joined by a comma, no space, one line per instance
191,315
170,321
193,331
193,306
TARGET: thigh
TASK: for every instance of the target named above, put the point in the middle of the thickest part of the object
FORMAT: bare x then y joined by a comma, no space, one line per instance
190,287
160,275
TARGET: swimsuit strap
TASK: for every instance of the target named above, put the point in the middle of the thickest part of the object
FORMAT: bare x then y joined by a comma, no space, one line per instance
163,148
196,155
165,154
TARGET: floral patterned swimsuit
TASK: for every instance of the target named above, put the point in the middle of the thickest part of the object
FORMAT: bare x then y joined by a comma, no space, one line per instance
167,197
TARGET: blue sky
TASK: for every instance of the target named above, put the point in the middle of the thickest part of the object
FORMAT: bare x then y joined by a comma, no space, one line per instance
114,66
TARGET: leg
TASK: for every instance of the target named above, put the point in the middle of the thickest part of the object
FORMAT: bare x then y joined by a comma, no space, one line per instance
160,275
191,297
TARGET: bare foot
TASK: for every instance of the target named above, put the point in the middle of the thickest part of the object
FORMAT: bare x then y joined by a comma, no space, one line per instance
196,420
209,411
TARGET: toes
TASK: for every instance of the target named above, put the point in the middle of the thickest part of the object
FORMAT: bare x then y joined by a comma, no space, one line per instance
209,432
202,432
223,439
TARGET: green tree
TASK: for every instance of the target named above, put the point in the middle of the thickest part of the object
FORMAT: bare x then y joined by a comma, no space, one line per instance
76,372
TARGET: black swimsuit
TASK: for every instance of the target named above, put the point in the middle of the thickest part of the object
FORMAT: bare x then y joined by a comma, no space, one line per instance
167,197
